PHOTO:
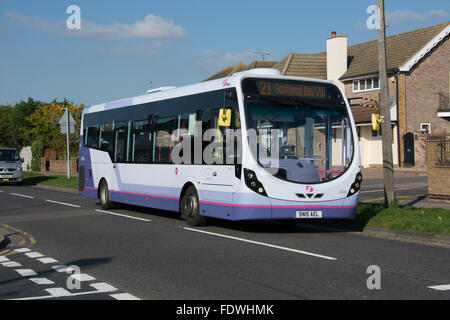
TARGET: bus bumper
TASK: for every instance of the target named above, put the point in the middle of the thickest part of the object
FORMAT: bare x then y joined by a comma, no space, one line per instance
280,210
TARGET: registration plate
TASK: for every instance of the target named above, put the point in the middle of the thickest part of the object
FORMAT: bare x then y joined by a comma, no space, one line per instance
6,180
309,214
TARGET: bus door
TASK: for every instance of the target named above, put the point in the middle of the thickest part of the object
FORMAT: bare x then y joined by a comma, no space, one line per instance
219,180
121,152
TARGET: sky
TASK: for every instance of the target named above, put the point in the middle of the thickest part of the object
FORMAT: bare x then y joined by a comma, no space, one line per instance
122,45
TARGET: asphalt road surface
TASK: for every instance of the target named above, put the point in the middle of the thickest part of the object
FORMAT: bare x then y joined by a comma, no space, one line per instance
65,247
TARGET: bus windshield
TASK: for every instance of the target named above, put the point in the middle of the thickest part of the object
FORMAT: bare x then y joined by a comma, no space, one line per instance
303,129
9,155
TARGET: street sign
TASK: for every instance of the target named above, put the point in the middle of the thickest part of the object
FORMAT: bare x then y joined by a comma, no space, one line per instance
63,123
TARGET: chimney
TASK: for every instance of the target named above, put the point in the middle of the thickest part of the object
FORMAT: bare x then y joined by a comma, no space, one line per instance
336,57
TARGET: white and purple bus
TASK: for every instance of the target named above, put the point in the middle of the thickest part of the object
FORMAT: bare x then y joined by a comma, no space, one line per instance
256,145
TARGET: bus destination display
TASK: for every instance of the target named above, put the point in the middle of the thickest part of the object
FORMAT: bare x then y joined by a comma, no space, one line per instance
290,89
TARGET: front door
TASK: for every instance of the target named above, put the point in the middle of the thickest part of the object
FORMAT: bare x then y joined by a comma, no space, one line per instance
408,142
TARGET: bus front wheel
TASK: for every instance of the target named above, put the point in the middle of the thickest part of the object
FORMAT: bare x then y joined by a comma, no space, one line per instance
104,196
190,208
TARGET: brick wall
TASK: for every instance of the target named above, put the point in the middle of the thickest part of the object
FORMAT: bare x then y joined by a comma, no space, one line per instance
427,79
58,166
438,177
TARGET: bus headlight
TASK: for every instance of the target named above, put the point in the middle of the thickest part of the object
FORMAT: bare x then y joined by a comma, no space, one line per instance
356,186
252,182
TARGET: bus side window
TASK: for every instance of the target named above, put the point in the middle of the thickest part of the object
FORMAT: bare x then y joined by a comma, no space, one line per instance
121,144
164,127
107,138
141,142
92,137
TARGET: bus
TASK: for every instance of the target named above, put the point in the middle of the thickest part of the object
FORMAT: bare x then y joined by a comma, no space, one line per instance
257,145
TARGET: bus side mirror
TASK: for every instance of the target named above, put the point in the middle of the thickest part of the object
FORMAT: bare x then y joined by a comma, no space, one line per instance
225,118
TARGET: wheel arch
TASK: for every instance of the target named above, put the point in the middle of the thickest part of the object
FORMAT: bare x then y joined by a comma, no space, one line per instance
99,184
184,189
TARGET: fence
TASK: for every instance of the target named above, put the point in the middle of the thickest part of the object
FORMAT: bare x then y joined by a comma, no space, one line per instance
438,162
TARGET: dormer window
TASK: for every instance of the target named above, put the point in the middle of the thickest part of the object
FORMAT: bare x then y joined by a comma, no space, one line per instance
367,84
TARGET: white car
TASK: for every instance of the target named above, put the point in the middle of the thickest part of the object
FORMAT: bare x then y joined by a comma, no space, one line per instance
10,166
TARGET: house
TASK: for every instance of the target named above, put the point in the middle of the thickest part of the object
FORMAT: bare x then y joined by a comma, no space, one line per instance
418,64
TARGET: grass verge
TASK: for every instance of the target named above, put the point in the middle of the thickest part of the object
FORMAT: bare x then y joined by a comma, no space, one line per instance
57,181
431,221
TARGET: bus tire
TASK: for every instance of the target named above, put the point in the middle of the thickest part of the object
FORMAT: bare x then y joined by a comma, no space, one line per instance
103,195
190,208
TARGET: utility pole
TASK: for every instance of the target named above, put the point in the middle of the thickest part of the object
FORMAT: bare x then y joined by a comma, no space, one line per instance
388,163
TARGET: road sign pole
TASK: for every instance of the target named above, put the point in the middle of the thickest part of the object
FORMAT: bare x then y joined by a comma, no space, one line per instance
68,143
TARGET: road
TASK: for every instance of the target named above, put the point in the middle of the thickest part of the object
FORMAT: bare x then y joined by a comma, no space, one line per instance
137,253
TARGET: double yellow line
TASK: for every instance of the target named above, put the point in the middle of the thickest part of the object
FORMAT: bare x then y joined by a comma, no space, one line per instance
25,240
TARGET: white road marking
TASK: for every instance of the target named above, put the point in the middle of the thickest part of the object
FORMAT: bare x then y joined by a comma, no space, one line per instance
58,292
11,264
22,250
124,296
34,255
48,260
63,203
103,287
82,277
262,244
444,287
3,259
41,281
21,195
123,215
62,269
26,272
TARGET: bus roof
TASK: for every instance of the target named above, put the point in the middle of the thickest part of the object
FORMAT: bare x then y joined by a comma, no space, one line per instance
174,92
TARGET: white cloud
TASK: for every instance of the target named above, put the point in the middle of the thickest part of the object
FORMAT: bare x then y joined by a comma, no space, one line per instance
402,16
213,61
438,12
152,27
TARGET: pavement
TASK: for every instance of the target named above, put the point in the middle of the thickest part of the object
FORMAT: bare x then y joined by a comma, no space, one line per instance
377,173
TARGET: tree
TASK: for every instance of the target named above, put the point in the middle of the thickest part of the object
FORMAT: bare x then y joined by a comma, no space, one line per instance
20,128
6,139
44,126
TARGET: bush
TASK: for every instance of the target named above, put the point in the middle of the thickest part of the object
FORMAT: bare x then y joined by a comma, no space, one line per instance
37,151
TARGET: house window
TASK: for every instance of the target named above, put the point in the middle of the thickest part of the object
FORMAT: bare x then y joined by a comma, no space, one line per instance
425,128
367,84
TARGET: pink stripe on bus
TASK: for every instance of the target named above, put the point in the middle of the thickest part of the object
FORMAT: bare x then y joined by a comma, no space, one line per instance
277,206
